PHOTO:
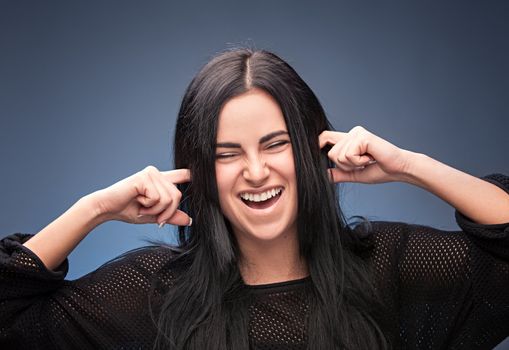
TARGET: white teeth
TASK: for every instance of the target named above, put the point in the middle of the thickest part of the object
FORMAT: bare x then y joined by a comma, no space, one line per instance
260,197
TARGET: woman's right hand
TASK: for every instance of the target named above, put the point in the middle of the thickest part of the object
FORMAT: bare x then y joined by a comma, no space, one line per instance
149,196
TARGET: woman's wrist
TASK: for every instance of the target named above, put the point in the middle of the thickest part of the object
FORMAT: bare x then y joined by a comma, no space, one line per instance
90,204
411,171
477,199
425,172
58,239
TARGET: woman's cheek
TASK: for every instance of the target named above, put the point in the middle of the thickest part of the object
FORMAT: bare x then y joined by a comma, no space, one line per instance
226,179
283,162
221,176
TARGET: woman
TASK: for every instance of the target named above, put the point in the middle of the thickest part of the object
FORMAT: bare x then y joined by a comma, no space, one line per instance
267,260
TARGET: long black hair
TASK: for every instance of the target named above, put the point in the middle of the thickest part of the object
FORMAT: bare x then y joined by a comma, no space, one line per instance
206,306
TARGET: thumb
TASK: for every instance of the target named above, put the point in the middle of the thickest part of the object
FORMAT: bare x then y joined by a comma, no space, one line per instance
369,174
337,175
180,219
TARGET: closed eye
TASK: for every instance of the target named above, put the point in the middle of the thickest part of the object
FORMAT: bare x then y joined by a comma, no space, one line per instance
225,155
272,146
278,143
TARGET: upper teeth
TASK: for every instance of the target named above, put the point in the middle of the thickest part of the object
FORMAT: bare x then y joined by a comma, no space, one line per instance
260,197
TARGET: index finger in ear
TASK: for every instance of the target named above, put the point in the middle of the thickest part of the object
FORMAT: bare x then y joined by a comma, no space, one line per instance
178,176
328,137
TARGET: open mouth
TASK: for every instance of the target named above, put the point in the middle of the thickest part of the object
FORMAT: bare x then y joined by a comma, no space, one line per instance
263,200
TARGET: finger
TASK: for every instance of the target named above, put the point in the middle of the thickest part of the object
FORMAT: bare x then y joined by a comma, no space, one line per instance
172,208
329,137
336,154
147,192
177,176
342,159
339,175
357,174
173,193
146,202
180,218
345,167
336,150
145,219
365,159
354,155
363,174
165,197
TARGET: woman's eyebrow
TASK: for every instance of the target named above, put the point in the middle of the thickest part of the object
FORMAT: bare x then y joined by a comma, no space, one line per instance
273,134
263,139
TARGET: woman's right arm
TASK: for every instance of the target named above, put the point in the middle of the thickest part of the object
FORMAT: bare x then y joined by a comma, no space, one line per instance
57,240
149,193
40,309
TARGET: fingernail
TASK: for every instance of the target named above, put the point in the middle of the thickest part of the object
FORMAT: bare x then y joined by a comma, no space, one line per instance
139,216
190,222
162,224
371,162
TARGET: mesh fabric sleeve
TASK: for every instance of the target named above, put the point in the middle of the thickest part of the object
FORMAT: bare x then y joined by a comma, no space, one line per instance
445,289
105,309
491,238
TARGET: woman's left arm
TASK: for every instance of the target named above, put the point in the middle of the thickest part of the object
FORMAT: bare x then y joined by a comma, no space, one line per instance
479,200
360,156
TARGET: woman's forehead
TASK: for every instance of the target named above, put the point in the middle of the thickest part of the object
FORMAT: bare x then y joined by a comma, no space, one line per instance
254,112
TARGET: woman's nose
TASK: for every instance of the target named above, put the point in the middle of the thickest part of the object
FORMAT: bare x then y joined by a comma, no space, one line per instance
256,171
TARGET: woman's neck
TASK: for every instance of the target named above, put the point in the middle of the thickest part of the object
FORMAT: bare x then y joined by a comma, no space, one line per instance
271,262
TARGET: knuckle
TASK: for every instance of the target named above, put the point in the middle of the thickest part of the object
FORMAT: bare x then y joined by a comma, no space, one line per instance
171,200
357,129
151,169
143,176
139,177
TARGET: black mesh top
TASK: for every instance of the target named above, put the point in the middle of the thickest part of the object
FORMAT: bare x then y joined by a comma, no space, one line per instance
443,290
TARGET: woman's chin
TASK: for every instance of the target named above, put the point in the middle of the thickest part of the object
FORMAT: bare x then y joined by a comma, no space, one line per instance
268,232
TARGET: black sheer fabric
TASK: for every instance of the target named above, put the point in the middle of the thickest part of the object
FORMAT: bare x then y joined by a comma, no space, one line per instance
442,289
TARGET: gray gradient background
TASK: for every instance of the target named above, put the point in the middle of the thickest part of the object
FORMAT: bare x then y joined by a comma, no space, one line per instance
89,91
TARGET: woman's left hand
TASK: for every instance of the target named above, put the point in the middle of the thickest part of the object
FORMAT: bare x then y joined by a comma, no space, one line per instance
361,156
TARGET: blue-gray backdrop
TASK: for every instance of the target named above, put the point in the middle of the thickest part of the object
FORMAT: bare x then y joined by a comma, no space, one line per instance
89,91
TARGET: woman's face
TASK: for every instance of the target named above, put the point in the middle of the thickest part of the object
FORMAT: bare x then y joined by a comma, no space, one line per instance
255,169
